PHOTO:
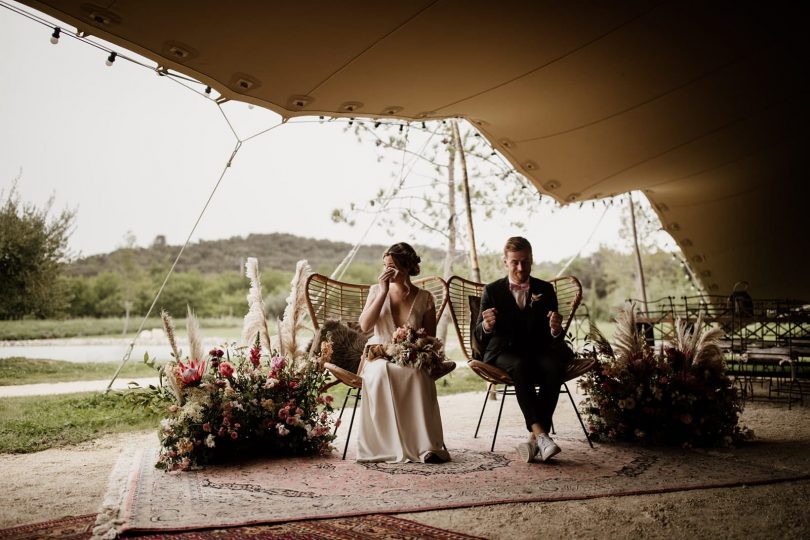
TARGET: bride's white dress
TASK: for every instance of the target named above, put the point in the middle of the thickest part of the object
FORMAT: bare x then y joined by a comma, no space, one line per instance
399,413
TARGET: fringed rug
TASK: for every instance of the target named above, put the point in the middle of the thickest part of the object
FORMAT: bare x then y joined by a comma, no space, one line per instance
144,499
373,527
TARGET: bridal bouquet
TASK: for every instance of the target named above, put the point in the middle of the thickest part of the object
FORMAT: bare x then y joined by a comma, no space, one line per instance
682,397
414,348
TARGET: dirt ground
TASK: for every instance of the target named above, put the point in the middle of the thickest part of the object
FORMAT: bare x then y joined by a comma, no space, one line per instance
72,481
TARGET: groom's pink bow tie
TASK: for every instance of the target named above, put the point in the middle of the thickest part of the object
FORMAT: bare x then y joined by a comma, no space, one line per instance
518,286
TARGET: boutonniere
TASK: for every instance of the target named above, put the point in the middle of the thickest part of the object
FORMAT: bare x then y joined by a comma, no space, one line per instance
534,298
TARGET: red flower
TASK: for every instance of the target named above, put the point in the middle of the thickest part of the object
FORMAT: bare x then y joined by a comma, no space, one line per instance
255,356
234,434
226,369
191,373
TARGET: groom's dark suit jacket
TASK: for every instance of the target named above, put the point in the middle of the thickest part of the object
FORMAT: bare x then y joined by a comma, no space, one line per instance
521,331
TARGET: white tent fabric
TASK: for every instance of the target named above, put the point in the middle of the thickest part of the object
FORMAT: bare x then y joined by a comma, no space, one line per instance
701,105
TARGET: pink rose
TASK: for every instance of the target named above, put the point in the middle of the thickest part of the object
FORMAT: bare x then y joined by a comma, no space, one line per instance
226,369
278,362
234,434
206,427
329,398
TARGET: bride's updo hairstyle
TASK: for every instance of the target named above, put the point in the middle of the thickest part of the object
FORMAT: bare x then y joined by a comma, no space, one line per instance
405,258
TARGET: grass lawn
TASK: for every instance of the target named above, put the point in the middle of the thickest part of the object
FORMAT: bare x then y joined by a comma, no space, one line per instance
31,424
30,371
225,327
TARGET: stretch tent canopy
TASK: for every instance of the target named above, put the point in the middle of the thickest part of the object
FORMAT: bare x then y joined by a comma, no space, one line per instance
701,105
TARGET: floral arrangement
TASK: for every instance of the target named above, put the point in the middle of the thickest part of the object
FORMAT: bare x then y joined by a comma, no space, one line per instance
412,347
238,399
682,397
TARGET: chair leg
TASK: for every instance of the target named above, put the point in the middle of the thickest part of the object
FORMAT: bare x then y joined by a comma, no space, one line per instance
498,423
351,422
343,408
486,397
579,416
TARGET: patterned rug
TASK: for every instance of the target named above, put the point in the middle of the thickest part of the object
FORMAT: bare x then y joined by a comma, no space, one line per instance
371,527
69,528
144,499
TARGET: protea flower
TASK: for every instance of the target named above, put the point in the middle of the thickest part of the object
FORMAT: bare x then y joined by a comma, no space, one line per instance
191,373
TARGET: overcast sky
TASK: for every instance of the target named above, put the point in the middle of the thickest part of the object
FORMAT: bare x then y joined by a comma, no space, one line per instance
132,151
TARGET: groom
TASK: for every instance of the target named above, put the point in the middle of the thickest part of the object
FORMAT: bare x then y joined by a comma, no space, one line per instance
520,331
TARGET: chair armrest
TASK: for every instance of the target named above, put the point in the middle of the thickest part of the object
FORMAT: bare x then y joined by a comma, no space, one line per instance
346,377
489,373
579,365
446,367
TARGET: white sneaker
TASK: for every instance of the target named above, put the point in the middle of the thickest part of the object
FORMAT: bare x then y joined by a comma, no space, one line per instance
528,450
547,448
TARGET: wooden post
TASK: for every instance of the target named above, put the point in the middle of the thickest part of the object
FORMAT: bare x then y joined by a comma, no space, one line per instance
465,184
639,266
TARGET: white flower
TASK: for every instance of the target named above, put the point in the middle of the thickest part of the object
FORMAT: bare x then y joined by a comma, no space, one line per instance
210,442
192,411
166,424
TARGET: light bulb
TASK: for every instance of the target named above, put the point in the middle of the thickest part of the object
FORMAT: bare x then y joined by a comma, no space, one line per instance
55,35
111,58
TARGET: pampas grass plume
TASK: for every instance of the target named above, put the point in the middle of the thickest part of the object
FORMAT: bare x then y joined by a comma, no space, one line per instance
194,340
295,312
168,327
255,321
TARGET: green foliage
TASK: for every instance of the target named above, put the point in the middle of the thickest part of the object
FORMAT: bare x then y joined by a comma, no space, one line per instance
278,252
33,247
35,423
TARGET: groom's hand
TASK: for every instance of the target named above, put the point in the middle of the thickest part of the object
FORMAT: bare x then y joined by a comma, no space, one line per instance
489,319
554,323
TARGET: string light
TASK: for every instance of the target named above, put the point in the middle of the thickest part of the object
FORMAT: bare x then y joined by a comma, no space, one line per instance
111,58
55,35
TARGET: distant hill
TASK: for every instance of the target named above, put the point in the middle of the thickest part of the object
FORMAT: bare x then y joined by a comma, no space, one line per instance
278,251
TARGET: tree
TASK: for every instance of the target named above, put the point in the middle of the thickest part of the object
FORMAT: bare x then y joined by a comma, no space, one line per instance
33,250
423,194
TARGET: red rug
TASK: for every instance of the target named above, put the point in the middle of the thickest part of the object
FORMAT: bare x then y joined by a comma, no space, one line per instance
144,499
69,528
352,528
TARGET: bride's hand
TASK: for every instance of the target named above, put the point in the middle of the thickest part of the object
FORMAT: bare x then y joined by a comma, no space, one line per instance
385,278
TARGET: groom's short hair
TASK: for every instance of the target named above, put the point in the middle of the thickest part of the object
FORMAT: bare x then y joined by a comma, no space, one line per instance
517,243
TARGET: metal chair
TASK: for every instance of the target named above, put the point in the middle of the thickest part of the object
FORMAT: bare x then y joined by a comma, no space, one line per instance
464,298
329,298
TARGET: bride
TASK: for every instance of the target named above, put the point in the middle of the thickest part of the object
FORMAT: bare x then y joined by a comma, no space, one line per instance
399,412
